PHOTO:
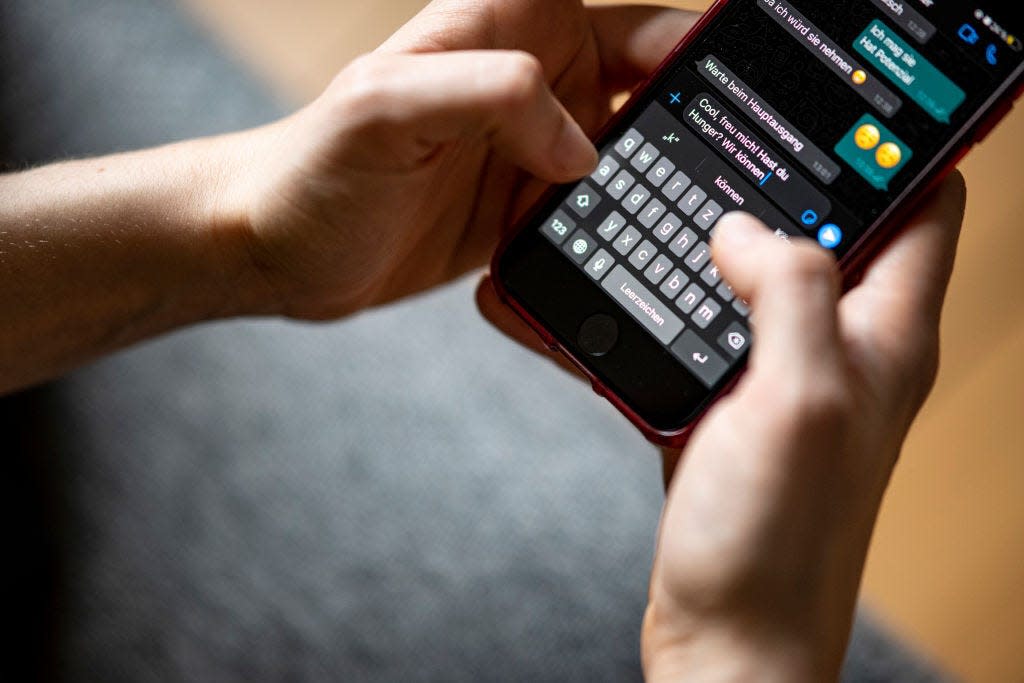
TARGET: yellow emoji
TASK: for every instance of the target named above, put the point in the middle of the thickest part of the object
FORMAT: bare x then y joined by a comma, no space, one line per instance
867,136
859,77
889,155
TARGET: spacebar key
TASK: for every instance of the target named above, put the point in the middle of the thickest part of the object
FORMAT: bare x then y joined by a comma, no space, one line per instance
642,305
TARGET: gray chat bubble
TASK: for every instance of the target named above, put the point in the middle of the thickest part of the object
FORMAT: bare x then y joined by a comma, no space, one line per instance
770,121
907,18
756,161
831,55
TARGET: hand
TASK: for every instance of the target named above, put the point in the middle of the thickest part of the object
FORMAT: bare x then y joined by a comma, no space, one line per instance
404,173
400,177
769,516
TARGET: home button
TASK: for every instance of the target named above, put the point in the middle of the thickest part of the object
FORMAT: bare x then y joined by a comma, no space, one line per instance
598,335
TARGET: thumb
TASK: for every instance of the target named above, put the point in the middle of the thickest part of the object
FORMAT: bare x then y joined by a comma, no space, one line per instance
793,290
409,106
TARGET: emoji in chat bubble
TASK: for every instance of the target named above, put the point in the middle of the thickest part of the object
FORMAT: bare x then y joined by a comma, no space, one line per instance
867,136
889,155
873,151
859,77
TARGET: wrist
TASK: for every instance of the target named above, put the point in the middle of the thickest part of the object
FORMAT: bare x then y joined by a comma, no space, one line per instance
221,211
273,220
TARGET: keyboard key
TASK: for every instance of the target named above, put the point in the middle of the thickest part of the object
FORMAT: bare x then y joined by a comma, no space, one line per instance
636,198
620,185
674,284
658,269
635,221
630,142
706,313
600,265
668,226
627,241
605,171
725,292
691,296
648,155
629,293
711,275
653,219
683,242
584,199
660,172
611,226
700,359
699,257
676,186
692,200
652,213
643,255
708,215
558,227
735,340
580,247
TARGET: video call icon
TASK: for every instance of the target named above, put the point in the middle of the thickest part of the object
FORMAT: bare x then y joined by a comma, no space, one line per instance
968,34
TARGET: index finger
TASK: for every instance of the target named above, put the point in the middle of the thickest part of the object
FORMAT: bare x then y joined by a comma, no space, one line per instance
632,40
908,280
515,328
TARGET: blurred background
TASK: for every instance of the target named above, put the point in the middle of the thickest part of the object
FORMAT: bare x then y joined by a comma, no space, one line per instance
215,492
947,565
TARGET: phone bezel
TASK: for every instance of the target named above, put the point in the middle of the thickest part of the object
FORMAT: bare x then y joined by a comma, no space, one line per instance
682,397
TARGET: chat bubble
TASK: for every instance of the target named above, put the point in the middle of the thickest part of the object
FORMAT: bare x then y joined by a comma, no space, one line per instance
756,161
874,152
770,121
828,52
908,19
909,71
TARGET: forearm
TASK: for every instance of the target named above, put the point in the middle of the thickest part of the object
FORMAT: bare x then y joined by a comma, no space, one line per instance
101,253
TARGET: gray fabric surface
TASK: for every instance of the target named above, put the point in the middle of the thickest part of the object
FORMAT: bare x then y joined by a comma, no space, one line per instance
404,496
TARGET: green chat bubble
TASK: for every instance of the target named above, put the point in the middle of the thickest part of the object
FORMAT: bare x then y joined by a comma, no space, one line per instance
909,71
874,152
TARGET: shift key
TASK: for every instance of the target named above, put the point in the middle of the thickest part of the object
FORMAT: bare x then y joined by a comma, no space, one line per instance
629,293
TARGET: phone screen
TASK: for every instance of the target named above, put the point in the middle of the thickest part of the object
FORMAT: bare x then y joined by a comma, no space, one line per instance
818,118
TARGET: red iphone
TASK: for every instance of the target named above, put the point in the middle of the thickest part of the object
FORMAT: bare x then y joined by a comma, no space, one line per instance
825,120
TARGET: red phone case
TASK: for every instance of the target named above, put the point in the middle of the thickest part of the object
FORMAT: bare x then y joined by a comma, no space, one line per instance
852,266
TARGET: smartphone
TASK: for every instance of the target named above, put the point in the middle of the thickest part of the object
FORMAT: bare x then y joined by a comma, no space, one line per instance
825,120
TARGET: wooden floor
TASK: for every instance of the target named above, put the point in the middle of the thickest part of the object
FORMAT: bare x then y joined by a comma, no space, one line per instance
947,566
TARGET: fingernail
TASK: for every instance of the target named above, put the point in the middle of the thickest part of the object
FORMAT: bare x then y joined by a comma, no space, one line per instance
736,230
574,150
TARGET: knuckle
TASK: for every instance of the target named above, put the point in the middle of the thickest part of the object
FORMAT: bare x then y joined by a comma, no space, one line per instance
958,182
361,89
806,263
926,371
808,403
916,363
520,76
819,404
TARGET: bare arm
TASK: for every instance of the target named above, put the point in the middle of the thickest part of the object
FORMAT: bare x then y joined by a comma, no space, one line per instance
97,254
398,178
